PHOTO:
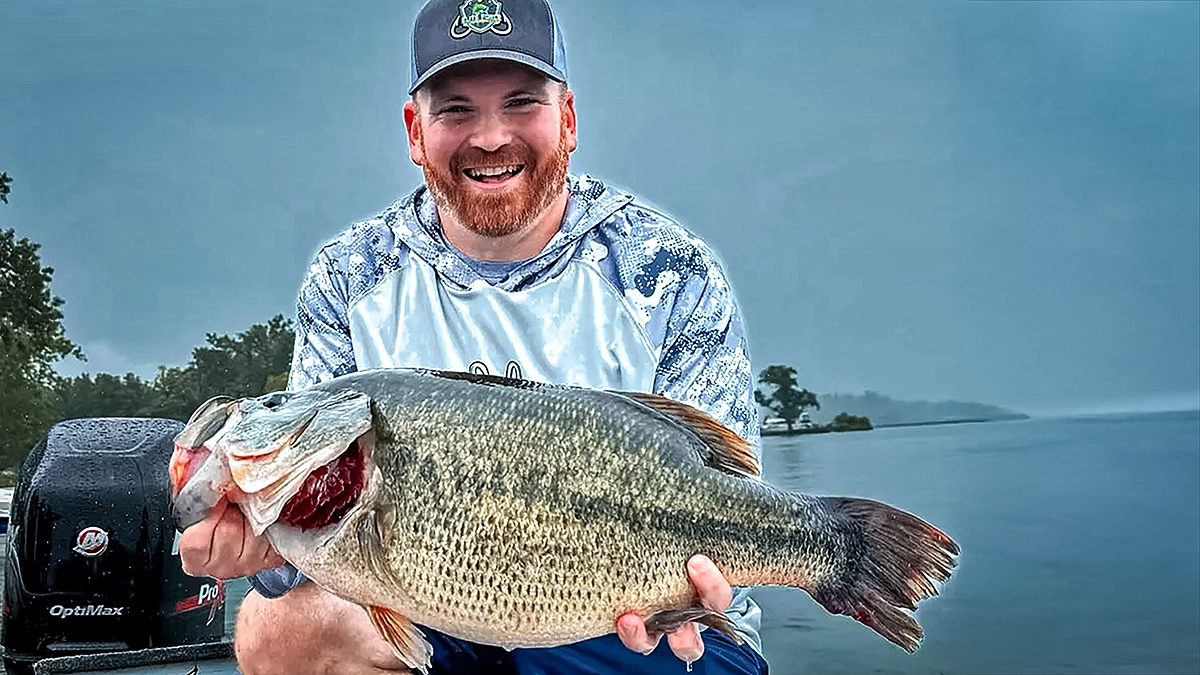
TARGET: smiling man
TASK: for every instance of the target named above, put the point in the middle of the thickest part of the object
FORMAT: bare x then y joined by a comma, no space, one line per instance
501,263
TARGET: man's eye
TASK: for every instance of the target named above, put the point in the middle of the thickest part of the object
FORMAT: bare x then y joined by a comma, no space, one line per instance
454,110
521,102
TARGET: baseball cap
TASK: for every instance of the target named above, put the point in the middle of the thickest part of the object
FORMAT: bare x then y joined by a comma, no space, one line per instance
449,32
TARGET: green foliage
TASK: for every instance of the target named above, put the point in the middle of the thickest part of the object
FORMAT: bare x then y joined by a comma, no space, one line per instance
229,366
244,365
31,341
31,331
277,382
847,422
27,411
106,396
785,400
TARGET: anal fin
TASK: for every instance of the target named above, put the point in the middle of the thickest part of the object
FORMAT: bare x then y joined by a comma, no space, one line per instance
668,620
406,640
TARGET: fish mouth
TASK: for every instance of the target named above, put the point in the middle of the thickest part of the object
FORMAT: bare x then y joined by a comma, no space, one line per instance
184,464
332,490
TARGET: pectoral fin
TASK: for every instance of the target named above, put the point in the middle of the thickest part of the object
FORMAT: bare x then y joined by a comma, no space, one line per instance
371,543
406,640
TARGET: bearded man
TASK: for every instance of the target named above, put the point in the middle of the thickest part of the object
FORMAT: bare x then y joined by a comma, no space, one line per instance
501,263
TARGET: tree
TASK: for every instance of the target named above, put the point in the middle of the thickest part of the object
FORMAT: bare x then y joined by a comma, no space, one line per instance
785,400
5,187
32,339
847,422
230,366
106,396
251,363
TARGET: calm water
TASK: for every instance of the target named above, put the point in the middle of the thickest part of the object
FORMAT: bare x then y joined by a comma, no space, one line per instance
1080,538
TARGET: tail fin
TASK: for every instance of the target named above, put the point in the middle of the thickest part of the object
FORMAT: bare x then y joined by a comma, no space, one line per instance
899,559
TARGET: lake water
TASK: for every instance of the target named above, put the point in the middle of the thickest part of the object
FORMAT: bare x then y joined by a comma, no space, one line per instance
1080,539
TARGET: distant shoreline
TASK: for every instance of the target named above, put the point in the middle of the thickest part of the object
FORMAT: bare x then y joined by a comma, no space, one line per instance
886,412
928,423
796,432
976,420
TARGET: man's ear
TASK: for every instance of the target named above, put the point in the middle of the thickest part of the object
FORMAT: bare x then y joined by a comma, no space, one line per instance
568,111
412,122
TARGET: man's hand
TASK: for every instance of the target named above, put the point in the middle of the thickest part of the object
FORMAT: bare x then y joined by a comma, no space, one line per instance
685,642
224,546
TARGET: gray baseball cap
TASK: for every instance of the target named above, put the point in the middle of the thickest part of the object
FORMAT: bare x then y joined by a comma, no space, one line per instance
449,32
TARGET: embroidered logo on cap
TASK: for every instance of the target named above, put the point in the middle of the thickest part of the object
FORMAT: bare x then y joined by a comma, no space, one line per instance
480,16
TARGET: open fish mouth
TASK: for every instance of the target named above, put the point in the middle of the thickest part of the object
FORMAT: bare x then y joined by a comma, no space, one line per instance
330,491
310,496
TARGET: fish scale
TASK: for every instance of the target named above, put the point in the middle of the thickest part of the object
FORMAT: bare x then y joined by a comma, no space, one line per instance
524,515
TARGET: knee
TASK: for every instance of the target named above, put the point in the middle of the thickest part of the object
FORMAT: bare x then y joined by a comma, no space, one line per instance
251,644
308,631
276,637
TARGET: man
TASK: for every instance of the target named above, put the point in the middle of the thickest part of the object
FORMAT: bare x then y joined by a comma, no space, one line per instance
501,263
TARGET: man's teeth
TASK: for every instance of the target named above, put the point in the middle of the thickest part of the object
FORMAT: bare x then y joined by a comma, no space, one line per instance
493,171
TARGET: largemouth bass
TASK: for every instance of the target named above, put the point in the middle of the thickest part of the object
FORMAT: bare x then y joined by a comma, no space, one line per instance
520,514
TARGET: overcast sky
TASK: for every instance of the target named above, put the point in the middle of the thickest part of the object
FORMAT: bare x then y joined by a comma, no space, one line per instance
990,201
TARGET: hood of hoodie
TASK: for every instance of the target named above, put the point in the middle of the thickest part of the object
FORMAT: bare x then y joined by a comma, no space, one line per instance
415,222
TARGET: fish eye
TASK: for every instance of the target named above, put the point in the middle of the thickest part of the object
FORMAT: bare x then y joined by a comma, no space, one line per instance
275,400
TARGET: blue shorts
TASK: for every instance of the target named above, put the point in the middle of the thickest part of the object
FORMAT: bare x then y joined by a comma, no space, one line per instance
599,656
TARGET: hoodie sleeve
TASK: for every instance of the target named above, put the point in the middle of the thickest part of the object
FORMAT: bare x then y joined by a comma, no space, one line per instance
274,582
323,349
705,361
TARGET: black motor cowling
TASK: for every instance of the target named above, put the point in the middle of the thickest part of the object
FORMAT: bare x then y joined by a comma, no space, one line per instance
92,563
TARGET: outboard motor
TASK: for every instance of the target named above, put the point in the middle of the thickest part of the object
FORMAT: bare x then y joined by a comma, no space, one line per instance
92,562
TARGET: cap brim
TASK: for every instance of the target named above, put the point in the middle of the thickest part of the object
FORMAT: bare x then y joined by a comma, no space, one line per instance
502,54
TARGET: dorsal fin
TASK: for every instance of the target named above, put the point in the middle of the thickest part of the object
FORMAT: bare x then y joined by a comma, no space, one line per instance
728,452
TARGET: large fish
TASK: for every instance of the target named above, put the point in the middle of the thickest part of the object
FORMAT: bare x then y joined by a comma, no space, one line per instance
519,514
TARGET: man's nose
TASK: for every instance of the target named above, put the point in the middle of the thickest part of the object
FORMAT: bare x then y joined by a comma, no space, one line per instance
491,133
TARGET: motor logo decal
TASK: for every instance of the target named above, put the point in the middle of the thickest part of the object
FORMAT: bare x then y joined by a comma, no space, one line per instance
91,542
62,612
480,16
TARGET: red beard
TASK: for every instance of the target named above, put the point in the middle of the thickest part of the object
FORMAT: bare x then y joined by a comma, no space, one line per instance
500,215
